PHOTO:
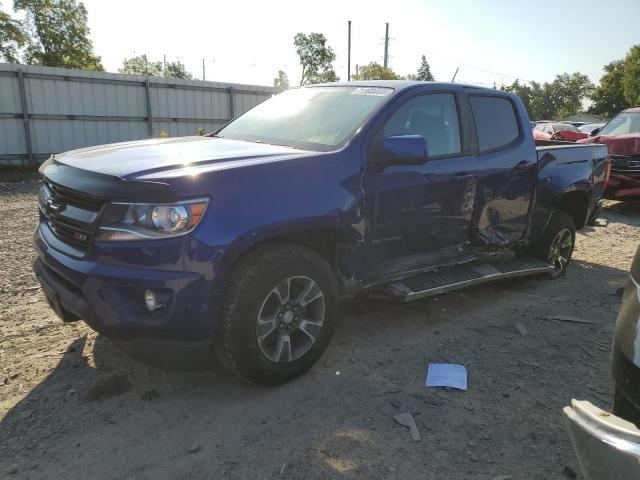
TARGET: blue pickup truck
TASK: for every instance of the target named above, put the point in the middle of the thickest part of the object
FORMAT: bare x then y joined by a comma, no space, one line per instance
241,242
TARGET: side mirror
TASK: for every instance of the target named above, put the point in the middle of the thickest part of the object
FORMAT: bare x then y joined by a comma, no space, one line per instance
403,150
594,132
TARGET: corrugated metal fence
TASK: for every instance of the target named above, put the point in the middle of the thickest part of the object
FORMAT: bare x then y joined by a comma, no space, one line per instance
47,110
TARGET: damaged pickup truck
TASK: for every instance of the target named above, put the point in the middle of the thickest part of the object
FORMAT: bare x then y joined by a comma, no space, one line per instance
241,242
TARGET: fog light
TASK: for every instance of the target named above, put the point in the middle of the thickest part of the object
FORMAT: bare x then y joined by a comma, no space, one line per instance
151,301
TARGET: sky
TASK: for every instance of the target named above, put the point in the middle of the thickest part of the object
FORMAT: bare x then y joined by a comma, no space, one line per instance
492,41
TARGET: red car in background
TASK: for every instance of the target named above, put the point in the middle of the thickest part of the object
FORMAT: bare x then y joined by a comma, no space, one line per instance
557,131
622,136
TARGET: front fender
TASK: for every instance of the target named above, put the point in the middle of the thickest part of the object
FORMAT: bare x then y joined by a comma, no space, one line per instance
255,204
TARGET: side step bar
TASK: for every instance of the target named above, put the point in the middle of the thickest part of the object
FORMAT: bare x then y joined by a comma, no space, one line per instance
446,279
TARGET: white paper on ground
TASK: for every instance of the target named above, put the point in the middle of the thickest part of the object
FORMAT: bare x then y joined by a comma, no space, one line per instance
446,375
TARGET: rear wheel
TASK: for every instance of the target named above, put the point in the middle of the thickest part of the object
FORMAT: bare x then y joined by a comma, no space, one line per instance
557,242
279,314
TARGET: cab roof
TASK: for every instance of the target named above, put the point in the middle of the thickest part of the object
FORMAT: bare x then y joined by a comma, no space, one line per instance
399,85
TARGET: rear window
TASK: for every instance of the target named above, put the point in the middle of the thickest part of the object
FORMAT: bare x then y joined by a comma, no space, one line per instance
496,122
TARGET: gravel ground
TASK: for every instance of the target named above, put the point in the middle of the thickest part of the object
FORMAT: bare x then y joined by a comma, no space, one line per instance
73,406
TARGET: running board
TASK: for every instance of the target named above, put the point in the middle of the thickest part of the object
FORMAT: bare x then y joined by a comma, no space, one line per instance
446,279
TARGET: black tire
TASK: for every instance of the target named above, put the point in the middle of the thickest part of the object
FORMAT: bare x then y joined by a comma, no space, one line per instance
560,222
253,280
625,408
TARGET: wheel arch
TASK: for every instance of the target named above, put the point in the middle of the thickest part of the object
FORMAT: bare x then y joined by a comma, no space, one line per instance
575,202
322,239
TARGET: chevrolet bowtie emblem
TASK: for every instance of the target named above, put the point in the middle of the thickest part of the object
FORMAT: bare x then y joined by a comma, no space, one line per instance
52,206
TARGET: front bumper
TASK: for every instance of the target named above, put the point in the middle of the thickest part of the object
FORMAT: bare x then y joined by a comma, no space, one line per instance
607,447
622,187
110,298
625,177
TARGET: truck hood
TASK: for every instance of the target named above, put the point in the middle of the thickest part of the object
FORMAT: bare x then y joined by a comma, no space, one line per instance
156,158
627,144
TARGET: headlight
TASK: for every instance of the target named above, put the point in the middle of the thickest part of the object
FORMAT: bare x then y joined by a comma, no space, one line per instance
140,221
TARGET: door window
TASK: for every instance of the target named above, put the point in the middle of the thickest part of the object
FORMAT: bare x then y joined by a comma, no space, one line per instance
496,122
435,117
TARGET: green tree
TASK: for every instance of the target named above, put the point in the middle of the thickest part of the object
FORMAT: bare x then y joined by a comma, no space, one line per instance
632,76
12,38
524,91
570,91
140,65
281,82
560,98
59,34
608,97
375,71
176,70
542,104
424,72
316,58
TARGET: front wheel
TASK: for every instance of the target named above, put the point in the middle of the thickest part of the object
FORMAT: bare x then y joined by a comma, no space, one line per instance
557,242
279,314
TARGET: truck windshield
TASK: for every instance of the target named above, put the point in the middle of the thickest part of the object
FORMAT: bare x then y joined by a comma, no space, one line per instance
310,118
628,122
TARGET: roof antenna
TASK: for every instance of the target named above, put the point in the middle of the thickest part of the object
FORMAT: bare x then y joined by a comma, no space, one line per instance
454,75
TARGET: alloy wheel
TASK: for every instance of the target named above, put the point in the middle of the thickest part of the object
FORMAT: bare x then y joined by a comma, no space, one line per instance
290,319
560,250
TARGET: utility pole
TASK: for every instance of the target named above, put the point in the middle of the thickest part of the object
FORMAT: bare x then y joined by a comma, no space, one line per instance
164,63
357,72
203,77
349,54
386,45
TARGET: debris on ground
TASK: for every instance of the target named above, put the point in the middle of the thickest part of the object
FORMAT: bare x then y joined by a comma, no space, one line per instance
521,329
568,318
406,420
446,375
284,465
194,448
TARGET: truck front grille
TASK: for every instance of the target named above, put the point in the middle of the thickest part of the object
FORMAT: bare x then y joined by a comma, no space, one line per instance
625,165
71,197
72,216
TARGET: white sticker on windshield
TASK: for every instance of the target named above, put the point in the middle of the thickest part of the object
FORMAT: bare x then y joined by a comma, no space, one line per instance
376,92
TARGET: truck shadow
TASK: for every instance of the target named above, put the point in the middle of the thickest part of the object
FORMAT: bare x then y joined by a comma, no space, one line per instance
100,411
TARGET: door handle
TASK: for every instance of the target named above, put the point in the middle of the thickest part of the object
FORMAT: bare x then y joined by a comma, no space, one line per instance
522,166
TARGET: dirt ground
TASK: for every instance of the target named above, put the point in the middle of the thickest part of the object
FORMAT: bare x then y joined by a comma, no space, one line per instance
74,406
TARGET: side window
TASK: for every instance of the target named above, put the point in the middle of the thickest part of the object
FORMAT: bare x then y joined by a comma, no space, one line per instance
435,117
496,122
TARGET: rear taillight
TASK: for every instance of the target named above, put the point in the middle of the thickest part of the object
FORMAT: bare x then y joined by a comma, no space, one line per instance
607,171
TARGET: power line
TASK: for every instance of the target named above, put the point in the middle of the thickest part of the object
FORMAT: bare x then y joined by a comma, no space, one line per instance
480,68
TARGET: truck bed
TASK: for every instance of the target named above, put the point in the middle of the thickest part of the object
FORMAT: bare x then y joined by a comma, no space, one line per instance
569,152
